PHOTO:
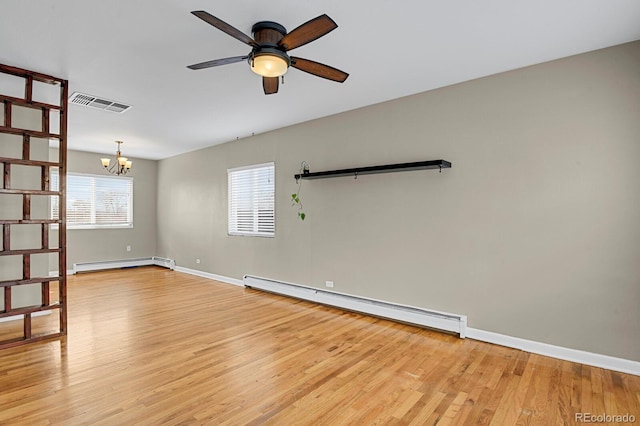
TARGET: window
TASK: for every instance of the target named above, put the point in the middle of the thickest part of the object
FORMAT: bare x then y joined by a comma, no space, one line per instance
252,200
95,201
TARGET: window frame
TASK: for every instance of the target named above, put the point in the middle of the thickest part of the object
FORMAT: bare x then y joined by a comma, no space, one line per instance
93,225
232,223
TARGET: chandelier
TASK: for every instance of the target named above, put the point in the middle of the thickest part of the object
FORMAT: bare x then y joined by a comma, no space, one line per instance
122,165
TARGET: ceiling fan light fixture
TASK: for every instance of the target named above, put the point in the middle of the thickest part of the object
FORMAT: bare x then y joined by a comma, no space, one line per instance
270,63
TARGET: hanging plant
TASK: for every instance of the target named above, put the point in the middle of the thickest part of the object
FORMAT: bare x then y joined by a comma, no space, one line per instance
295,197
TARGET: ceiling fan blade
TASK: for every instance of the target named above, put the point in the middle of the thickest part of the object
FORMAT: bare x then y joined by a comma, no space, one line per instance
270,85
218,62
224,27
318,69
307,32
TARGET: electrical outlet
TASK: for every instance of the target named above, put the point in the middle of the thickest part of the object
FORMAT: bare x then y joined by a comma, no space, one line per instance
198,261
329,284
128,248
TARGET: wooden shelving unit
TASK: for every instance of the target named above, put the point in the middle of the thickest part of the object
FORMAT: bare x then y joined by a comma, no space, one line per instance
9,189
369,170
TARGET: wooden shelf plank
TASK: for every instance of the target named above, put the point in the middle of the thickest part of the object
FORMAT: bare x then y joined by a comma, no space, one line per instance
28,162
28,221
28,104
11,283
28,251
387,168
28,191
33,133
34,338
38,76
30,310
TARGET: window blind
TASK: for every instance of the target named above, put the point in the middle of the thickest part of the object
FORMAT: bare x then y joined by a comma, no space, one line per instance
95,201
252,200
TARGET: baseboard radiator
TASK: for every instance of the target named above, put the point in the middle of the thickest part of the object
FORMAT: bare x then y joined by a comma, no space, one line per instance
408,314
125,263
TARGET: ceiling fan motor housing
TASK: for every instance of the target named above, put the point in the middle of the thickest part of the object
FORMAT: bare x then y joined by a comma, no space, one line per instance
267,34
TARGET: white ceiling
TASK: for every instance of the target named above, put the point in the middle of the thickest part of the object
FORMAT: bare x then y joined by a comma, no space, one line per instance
136,52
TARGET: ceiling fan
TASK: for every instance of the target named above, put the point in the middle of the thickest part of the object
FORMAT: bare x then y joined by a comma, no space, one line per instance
269,47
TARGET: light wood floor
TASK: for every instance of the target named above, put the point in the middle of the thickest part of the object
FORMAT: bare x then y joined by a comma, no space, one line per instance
151,346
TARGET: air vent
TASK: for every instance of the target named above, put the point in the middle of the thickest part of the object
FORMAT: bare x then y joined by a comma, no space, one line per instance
99,103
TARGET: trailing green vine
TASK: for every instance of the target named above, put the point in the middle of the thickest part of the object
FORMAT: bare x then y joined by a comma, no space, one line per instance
295,197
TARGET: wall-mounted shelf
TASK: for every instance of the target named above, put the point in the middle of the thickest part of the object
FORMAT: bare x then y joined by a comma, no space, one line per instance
387,168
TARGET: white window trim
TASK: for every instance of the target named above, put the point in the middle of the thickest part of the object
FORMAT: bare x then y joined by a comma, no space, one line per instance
229,202
97,225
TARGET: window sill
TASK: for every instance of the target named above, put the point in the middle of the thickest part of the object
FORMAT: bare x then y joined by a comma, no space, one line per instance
243,234
73,227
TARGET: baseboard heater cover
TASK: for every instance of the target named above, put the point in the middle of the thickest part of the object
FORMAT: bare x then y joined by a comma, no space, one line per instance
427,318
125,263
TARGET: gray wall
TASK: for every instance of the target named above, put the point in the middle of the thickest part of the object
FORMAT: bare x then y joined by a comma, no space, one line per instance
533,233
91,245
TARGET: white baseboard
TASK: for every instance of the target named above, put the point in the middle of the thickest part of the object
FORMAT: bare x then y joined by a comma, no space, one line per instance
559,352
17,317
124,263
215,277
